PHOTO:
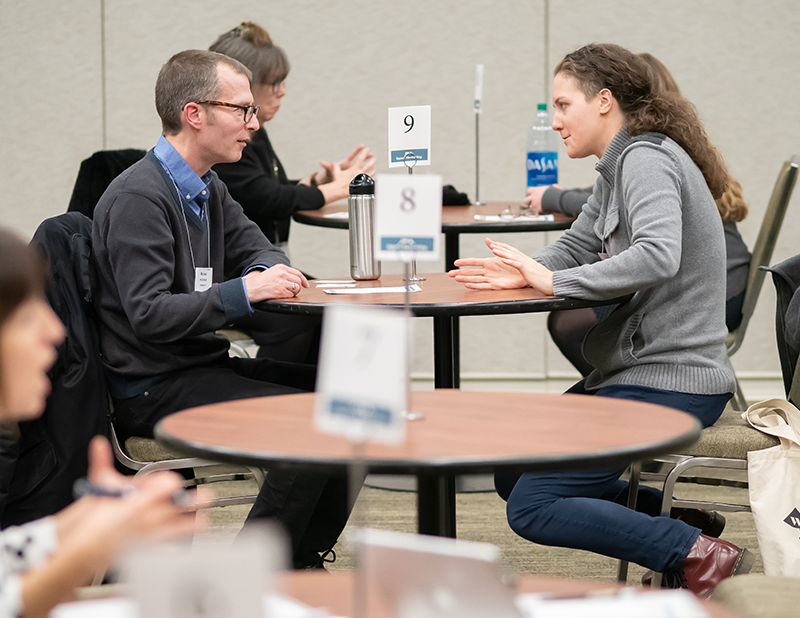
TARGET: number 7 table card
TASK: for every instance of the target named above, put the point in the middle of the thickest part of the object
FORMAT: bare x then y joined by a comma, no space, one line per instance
363,373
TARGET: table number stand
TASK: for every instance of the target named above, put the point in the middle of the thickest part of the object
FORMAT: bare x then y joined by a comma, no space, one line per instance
477,109
403,255
410,160
356,474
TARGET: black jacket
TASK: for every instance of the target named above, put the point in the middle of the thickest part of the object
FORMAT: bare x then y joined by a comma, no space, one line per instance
786,277
52,450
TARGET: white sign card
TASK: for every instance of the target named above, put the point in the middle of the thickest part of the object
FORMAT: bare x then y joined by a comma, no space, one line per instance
362,381
478,87
410,136
408,216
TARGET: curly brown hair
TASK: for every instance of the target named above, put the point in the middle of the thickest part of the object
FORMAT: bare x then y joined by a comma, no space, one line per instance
646,109
731,204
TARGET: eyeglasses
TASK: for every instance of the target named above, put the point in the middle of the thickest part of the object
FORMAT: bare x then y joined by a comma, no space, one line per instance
248,111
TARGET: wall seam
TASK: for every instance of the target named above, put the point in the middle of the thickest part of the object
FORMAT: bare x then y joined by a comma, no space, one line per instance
103,72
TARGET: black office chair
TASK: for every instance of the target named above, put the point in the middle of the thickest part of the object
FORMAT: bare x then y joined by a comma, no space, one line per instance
762,254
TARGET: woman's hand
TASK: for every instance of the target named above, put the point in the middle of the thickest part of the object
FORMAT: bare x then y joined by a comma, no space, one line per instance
334,181
534,274
534,197
98,528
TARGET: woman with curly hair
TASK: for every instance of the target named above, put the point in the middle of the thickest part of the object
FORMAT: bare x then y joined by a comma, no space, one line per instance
650,230
568,328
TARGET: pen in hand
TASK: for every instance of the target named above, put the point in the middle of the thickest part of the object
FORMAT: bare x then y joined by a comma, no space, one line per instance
84,487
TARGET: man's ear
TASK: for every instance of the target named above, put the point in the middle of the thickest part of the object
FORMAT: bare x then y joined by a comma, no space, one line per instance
605,101
193,115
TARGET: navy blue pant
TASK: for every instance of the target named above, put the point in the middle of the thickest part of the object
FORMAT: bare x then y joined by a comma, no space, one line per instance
585,509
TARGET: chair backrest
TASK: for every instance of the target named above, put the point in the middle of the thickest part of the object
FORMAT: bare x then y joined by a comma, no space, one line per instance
786,277
96,173
765,245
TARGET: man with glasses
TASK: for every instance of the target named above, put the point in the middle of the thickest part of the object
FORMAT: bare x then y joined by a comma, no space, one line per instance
177,260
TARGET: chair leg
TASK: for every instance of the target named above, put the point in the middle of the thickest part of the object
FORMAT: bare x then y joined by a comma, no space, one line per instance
633,490
738,403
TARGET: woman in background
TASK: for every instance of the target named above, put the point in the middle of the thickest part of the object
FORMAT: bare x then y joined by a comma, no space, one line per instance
259,183
41,563
568,328
650,230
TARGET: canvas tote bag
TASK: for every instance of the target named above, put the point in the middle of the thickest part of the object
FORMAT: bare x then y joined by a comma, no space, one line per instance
774,480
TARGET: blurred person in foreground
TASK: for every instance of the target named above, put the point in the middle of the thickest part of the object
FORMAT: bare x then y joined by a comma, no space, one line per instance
42,562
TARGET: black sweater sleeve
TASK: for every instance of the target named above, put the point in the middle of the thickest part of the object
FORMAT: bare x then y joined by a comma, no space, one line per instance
267,197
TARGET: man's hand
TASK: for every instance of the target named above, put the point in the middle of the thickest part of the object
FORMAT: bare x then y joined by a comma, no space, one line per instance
280,281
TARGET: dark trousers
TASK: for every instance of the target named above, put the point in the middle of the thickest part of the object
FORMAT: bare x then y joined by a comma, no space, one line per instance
584,509
312,507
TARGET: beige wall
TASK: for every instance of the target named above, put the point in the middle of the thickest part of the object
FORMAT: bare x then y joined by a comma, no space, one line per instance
736,59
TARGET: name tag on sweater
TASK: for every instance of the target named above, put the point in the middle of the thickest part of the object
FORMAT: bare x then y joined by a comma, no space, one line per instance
203,277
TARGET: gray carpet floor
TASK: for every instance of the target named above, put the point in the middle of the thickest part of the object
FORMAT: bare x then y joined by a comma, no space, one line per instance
481,517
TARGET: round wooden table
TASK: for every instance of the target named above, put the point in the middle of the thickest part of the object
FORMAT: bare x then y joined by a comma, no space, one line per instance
334,591
456,220
460,432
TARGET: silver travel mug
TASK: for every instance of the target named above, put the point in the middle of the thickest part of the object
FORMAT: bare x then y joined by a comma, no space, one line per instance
361,212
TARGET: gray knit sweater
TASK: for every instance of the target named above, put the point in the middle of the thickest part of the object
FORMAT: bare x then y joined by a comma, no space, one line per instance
652,214
152,322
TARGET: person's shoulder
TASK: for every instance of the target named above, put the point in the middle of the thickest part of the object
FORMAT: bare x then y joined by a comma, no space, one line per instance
651,150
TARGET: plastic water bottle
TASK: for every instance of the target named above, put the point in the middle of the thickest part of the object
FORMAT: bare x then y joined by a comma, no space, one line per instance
542,160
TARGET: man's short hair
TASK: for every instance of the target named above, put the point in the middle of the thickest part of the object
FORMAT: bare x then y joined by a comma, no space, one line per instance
189,76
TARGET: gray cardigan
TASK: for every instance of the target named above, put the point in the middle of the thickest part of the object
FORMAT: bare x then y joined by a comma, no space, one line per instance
652,215
152,322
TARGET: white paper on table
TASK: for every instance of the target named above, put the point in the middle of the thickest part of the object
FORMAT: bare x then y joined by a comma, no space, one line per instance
627,604
395,290
362,379
410,135
275,606
408,217
520,218
336,215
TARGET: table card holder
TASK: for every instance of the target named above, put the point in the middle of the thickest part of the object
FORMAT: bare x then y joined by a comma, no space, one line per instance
363,390
410,159
477,109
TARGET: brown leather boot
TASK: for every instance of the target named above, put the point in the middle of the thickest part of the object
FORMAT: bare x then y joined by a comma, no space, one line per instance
709,523
709,562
